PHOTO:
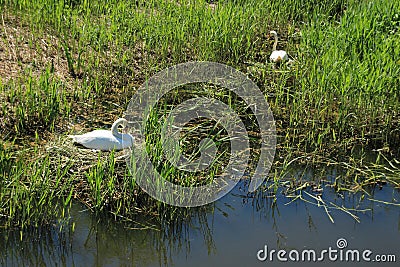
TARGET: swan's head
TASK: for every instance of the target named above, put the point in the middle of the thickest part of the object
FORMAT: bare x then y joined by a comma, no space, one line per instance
120,122
273,33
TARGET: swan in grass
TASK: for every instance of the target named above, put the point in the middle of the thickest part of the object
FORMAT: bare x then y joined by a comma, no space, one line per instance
105,140
277,56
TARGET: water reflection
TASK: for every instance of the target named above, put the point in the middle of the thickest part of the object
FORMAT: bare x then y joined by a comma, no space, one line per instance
229,232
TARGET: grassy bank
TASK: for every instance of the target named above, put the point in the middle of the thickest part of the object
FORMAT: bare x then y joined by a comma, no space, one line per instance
72,66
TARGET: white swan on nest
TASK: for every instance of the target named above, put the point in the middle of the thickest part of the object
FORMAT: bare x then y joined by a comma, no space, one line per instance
277,56
105,140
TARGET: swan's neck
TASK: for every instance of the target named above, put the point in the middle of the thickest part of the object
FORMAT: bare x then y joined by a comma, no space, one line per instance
114,127
276,42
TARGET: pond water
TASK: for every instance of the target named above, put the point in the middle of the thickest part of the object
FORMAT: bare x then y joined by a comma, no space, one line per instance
229,232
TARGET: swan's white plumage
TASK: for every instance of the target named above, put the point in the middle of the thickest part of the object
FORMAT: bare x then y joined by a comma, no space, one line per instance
277,55
105,140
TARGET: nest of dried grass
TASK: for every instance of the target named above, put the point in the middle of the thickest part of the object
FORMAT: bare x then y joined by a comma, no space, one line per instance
100,180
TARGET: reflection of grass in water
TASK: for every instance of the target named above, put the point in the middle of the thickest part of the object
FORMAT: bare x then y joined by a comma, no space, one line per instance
27,249
332,186
122,241
85,56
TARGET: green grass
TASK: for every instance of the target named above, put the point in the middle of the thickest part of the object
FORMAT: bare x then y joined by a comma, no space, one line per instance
349,84
88,58
32,192
33,104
